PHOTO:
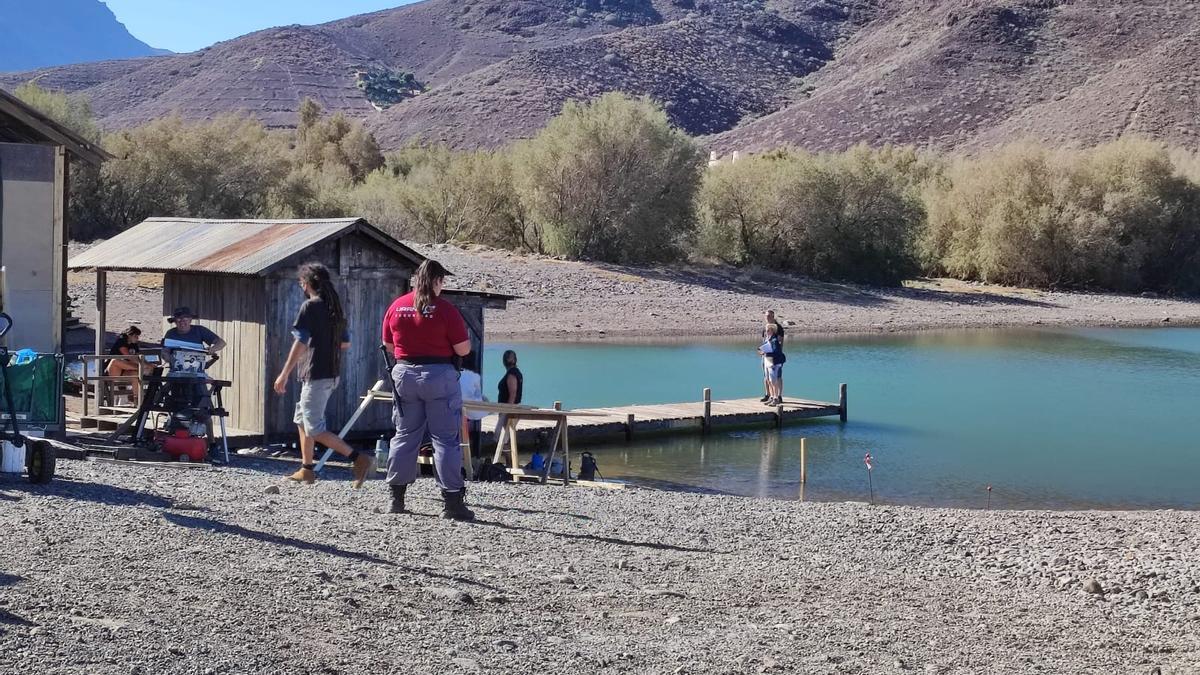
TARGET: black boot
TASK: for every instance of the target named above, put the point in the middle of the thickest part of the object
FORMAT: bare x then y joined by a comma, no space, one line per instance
455,508
397,498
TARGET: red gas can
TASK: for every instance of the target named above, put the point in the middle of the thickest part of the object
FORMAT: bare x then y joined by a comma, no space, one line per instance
182,444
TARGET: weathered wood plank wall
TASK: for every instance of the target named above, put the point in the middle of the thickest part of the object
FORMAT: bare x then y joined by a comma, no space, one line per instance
231,307
368,281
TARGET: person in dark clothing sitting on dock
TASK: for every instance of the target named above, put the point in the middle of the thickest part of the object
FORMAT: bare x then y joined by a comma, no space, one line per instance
510,389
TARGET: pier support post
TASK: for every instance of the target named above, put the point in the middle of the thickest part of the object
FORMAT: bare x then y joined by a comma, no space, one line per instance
558,405
779,416
706,424
803,461
842,401
629,427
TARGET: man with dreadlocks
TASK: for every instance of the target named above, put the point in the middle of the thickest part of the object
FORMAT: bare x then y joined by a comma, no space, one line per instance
320,338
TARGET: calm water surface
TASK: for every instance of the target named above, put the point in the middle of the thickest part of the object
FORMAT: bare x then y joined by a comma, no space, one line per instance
1051,419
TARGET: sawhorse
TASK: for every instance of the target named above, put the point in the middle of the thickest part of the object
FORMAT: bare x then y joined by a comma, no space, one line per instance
382,393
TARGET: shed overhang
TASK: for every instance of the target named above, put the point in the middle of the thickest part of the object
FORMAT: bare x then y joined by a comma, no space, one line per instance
20,123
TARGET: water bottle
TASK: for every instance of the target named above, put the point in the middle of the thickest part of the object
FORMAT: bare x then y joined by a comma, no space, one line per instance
381,452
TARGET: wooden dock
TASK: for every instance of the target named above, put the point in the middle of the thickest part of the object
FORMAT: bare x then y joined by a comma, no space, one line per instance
628,422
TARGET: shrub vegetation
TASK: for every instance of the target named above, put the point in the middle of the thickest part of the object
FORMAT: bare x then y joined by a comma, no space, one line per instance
613,180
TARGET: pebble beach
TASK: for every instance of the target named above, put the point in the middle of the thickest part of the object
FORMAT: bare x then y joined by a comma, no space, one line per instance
115,569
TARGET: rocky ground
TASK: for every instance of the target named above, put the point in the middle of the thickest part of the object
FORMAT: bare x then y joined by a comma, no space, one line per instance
564,299
119,569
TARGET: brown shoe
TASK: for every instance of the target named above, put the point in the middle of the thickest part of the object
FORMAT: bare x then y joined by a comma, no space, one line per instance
364,464
304,475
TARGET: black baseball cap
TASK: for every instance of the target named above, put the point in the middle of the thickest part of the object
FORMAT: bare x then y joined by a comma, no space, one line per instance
181,312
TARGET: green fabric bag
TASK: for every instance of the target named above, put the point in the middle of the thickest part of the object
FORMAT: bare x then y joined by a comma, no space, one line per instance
36,389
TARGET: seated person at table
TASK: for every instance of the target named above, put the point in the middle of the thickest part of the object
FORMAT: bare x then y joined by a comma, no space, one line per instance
128,344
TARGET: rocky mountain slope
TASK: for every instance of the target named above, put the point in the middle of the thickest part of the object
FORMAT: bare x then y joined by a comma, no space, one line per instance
40,34
978,73
746,74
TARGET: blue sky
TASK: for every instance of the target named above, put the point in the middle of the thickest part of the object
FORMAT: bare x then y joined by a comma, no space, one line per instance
188,25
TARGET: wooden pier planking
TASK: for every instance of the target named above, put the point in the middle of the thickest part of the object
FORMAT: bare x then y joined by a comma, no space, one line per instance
667,417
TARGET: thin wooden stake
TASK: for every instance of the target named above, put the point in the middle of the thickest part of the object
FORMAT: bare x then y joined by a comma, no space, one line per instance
870,482
842,401
707,425
803,461
629,427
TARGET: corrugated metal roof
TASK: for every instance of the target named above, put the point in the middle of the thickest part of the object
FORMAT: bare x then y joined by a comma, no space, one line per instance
243,247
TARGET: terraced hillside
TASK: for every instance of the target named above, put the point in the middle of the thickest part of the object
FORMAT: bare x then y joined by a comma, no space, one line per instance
746,74
715,62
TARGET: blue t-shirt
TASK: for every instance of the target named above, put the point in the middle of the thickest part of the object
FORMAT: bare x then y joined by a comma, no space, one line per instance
198,334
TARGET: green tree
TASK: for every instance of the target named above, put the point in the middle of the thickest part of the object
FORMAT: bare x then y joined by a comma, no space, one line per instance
336,140
1121,216
443,195
610,180
73,112
227,168
850,216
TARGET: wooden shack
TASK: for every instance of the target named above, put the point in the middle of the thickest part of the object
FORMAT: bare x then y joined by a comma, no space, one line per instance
239,276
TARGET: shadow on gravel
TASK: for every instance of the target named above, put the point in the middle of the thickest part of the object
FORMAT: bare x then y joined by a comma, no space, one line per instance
102,494
10,579
512,509
598,539
10,619
280,540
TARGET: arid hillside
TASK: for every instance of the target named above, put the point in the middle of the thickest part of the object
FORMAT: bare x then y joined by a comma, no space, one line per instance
953,74
745,74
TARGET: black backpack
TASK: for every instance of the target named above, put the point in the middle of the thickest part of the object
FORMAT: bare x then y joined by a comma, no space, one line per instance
494,473
587,467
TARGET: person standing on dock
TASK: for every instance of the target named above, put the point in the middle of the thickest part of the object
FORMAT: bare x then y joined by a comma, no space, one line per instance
773,359
769,320
509,390
320,337
425,333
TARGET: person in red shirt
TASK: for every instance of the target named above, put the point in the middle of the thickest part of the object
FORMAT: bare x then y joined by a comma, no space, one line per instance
425,333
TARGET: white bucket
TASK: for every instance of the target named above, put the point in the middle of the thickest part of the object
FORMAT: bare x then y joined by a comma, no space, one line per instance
14,457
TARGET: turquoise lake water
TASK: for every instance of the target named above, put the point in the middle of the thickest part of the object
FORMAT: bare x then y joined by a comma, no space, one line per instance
1103,418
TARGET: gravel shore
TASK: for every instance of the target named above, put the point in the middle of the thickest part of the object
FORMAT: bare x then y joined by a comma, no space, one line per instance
581,300
119,569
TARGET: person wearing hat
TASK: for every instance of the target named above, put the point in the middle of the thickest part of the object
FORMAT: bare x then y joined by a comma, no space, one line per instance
184,331
425,332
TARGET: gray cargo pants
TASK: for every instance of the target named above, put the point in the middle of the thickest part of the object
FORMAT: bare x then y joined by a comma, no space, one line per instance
430,402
